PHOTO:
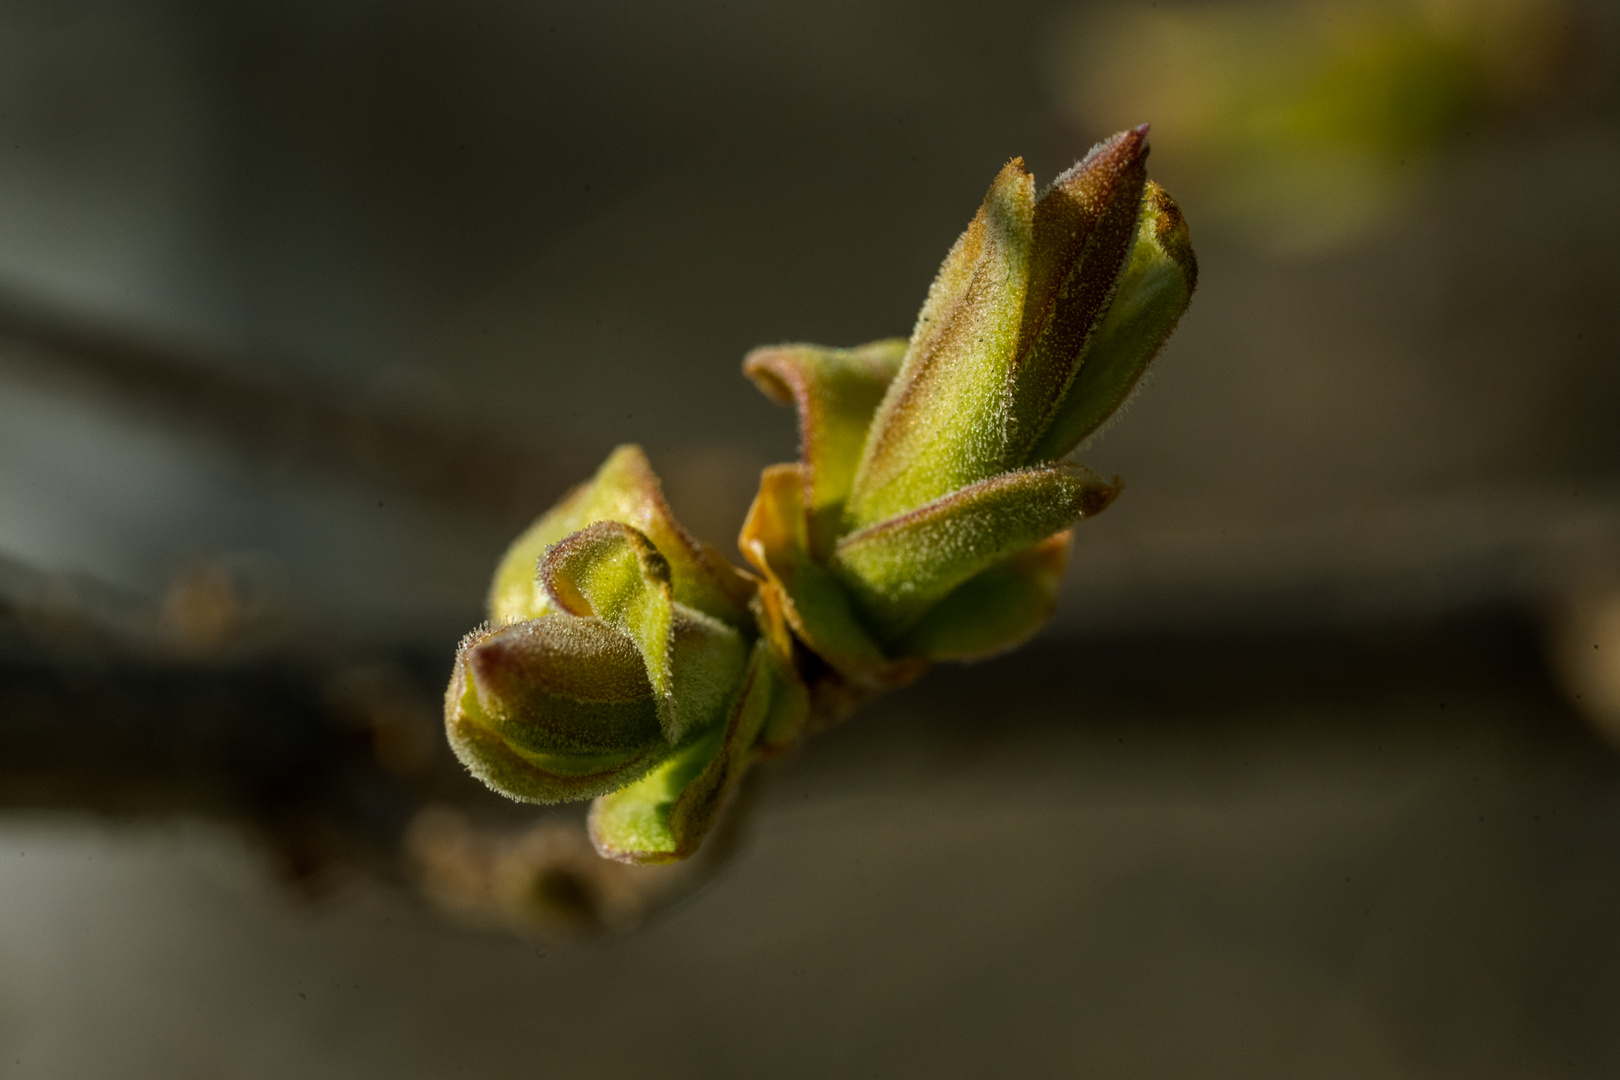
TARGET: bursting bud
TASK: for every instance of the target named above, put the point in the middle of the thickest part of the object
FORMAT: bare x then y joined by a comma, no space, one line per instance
928,519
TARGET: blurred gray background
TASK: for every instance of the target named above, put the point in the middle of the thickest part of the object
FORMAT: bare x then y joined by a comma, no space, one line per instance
306,309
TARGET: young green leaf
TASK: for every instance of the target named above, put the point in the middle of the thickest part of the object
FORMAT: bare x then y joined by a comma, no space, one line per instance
626,490
1154,290
1084,225
942,423
996,609
901,568
611,571
664,816
553,709
836,391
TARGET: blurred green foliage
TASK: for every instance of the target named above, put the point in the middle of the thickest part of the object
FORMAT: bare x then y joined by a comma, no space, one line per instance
1305,124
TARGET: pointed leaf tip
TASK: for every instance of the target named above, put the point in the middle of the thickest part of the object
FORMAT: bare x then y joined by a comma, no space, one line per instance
1154,290
1084,225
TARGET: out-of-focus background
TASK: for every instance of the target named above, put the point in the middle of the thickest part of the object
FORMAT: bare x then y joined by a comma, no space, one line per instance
307,308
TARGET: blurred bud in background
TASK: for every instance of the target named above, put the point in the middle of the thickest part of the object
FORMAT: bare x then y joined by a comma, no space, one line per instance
1305,125
225,606
544,881
1586,652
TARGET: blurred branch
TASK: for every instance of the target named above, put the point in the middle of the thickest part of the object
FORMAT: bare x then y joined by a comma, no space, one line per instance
331,757
209,702
432,458
326,751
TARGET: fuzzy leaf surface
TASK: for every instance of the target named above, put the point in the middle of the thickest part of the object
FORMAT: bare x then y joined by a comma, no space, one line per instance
901,568
837,391
942,424
611,571
665,815
996,609
625,490
553,709
1084,225
1154,290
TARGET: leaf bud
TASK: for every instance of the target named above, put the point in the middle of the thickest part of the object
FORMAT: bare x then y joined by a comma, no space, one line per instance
553,709
928,518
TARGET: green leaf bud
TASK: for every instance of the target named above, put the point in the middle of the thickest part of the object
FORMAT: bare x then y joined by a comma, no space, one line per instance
612,571
941,425
928,518
553,709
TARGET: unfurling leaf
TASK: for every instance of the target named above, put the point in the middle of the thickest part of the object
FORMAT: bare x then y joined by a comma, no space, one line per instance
817,606
1154,289
624,489
899,569
553,709
665,815
611,571
836,391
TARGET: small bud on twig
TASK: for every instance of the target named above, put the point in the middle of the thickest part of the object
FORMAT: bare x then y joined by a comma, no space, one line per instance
928,519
